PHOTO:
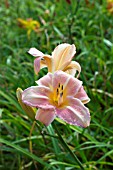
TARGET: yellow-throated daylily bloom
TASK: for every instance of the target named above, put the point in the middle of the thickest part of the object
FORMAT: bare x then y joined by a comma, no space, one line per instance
58,94
29,24
61,59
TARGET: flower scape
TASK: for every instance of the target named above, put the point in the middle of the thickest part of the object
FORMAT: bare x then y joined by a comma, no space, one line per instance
59,93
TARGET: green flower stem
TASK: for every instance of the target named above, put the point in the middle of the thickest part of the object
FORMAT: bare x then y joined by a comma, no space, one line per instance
30,141
67,148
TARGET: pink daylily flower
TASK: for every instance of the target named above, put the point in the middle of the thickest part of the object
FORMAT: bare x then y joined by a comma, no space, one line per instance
59,94
60,59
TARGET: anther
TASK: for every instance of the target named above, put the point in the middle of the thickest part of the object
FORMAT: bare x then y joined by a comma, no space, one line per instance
61,94
59,85
57,91
62,87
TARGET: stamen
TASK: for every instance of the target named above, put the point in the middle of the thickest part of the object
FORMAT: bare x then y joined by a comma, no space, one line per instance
57,91
60,99
58,96
62,87
61,94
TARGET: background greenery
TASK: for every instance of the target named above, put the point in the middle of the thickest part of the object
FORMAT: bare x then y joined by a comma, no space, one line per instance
28,146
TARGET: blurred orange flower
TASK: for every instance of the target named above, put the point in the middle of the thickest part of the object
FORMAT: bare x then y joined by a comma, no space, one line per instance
110,6
29,24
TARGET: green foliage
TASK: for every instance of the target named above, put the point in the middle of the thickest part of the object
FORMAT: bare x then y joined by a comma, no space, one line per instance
24,145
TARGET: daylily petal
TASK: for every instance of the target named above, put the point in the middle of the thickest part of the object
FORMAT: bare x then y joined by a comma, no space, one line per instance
37,65
35,52
72,68
45,116
71,84
46,80
37,97
64,65
76,113
41,61
46,61
81,95
39,55
63,53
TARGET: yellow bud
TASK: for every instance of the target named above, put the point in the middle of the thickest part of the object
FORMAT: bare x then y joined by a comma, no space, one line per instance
28,110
